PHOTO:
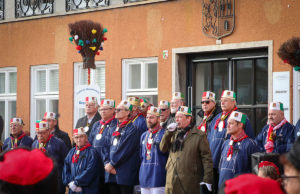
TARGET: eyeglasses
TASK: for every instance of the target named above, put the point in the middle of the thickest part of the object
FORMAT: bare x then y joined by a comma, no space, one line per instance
104,109
287,178
163,109
206,102
119,109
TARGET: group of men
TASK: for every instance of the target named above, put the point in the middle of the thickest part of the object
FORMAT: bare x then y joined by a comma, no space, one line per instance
159,148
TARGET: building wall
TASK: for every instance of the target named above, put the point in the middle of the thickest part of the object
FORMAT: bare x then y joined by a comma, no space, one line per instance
133,32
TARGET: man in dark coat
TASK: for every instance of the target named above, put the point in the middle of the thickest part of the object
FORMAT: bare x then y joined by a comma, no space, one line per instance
81,166
165,116
92,115
53,146
51,118
17,136
190,161
278,135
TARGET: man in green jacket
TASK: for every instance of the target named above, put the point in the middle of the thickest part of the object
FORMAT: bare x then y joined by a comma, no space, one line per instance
190,162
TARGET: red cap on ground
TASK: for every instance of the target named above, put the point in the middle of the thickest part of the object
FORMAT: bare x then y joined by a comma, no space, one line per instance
25,167
252,184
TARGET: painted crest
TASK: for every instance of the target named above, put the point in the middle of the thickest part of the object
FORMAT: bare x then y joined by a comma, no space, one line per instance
218,18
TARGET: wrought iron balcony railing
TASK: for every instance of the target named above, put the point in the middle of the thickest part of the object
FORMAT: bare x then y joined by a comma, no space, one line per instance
25,8
1,9
72,5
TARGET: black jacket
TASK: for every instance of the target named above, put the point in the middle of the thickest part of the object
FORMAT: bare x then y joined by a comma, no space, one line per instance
82,122
216,111
63,136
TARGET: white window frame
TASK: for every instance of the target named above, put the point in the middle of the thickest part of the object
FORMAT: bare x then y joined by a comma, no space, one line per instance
78,66
7,97
125,74
296,97
40,95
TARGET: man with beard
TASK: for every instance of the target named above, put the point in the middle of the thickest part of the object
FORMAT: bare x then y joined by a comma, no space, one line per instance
278,135
177,100
189,161
53,146
152,171
165,116
17,136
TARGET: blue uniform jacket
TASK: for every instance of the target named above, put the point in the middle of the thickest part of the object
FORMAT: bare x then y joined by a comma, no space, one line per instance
102,145
240,161
84,173
26,141
153,171
141,125
58,150
297,129
285,137
124,156
216,138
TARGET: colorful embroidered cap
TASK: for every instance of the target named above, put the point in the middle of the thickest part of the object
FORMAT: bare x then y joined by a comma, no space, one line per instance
267,163
178,95
143,102
154,111
126,104
50,115
108,102
135,101
79,131
90,99
238,116
25,167
17,121
276,106
228,94
41,126
184,110
208,95
164,103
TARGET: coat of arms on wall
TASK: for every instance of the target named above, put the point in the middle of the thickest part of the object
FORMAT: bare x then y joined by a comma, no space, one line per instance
217,18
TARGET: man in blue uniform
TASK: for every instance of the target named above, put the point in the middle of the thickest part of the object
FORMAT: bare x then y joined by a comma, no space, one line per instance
137,116
124,152
51,118
53,146
81,166
100,138
278,135
152,171
236,151
217,132
17,136
165,115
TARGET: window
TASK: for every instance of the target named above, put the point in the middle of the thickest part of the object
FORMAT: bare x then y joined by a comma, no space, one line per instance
8,90
139,78
246,73
81,78
44,92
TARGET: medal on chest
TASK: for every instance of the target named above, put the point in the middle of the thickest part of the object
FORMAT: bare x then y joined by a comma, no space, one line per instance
98,136
230,154
86,128
221,126
115,142
202,128
149,146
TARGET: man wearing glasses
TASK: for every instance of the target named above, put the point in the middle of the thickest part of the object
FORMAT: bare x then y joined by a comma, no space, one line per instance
17,136
209,110
165,116
92,114
123,163
53,146
100,138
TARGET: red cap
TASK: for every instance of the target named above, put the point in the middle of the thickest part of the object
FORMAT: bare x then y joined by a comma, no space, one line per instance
249,184
25,167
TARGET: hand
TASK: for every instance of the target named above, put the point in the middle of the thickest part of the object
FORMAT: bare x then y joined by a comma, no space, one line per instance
113,171
269,146
72,186
207,185
108,167
171,127
78,189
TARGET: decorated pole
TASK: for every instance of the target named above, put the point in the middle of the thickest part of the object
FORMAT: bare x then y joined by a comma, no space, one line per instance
88,37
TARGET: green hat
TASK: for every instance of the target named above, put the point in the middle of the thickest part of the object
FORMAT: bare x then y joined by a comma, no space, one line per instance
184,110
126,104
238,116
